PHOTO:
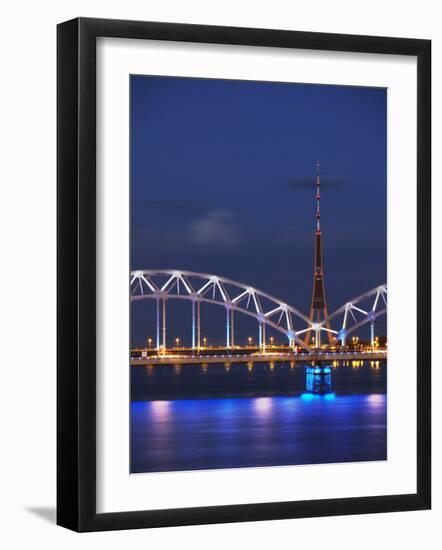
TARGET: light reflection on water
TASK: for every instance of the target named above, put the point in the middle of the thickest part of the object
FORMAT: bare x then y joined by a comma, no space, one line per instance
227,432
160,410
262,405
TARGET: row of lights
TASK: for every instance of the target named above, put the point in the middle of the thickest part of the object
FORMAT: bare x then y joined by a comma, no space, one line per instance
178,340
355,341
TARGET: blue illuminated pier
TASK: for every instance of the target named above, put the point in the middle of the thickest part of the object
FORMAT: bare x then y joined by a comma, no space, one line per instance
318,380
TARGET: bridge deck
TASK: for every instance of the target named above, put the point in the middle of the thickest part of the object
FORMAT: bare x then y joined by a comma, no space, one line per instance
275,357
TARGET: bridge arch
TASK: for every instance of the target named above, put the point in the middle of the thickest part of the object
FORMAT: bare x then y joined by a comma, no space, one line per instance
162,285
358,312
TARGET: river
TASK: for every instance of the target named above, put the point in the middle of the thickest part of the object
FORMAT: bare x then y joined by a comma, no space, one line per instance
193,417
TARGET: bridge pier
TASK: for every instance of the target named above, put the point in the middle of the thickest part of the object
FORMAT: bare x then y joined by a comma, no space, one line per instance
158,323
198,324
261,337
227,327
232,330
318,338
372,335
318,380
164,324
193,325
291,338
342,336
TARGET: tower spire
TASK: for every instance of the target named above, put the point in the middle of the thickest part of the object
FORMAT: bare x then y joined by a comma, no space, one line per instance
318,308
318,198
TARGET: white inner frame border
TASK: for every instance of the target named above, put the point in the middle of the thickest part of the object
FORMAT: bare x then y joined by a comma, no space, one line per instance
117,59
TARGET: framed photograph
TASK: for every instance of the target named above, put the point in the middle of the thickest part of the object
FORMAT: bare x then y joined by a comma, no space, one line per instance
236,208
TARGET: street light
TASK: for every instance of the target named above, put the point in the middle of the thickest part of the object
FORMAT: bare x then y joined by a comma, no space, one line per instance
149,342
271,340
249,340
204,341
177,342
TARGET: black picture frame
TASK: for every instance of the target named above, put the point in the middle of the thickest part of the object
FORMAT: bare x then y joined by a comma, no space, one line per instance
76,274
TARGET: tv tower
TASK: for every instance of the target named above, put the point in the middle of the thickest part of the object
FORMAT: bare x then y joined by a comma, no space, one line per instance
318,308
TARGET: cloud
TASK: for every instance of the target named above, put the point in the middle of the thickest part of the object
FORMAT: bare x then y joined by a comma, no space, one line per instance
217,228
308,183
166,207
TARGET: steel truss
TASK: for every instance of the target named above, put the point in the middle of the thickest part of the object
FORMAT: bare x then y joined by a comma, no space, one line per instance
162,285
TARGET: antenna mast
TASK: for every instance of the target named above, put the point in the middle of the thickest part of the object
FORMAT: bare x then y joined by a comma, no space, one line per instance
318,308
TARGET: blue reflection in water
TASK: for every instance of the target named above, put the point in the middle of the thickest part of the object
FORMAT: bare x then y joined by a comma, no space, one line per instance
329,396
196,434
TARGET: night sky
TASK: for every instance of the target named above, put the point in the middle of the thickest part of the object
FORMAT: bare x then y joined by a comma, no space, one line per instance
222,182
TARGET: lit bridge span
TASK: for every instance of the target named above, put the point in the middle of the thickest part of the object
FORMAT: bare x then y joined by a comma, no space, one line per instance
162,285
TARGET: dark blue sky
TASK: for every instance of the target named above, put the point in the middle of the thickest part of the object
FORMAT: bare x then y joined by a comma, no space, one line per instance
222,181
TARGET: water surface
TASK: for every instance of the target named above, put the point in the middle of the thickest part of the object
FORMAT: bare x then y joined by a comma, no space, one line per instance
254,415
